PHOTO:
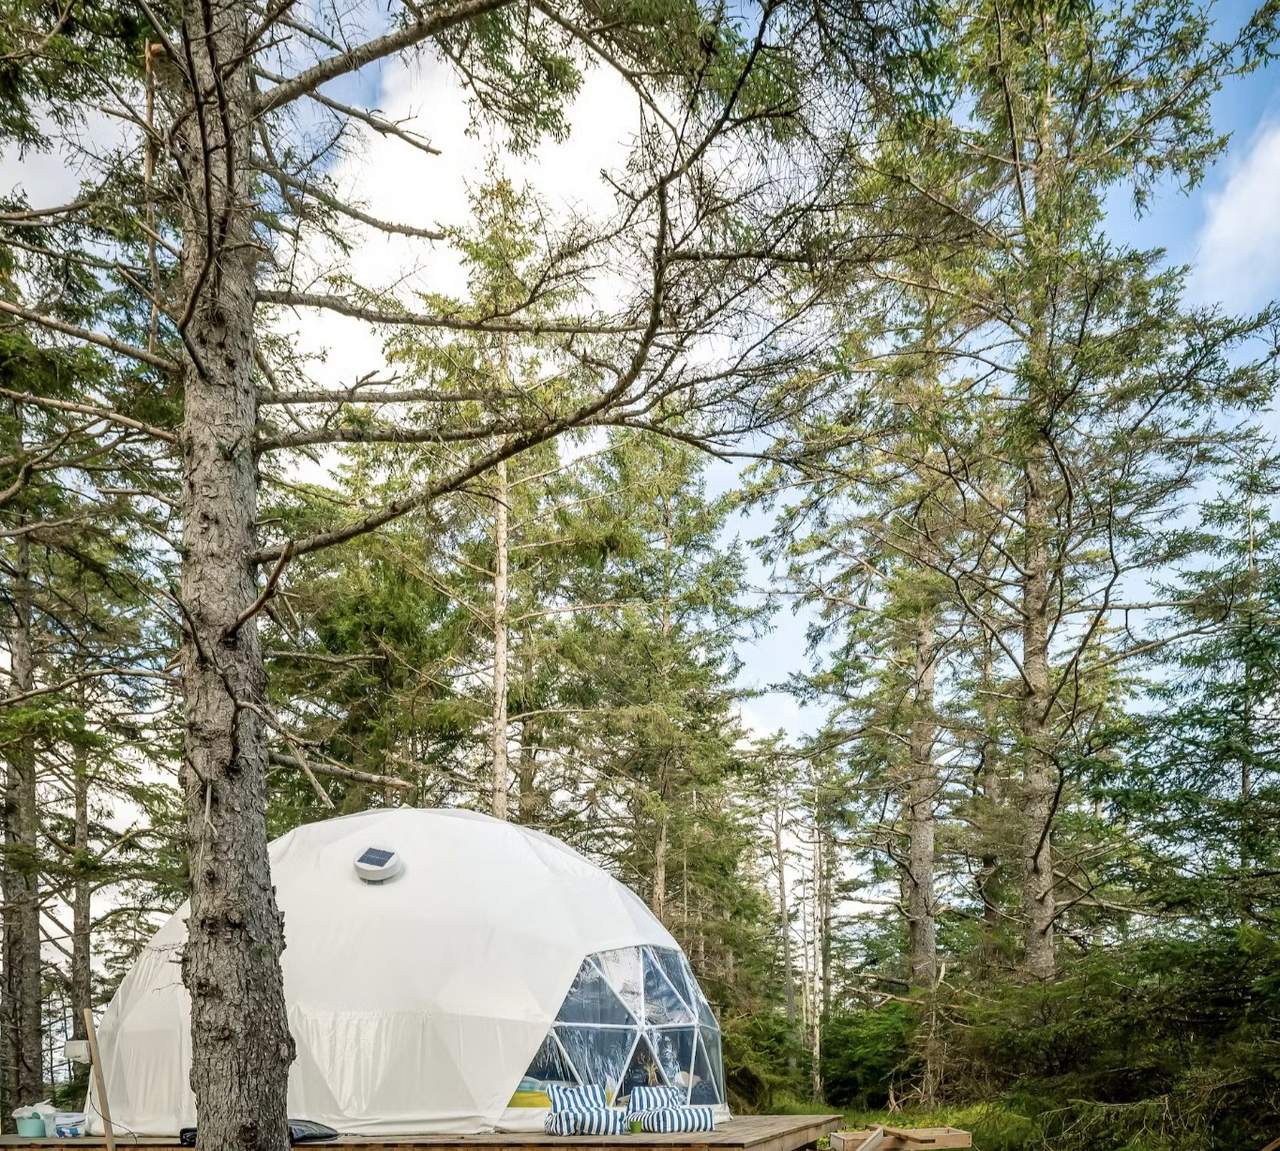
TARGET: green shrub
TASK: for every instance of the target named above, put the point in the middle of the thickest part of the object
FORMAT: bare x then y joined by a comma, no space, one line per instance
865,1053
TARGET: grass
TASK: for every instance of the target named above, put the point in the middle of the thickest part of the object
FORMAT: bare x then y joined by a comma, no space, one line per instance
994,1126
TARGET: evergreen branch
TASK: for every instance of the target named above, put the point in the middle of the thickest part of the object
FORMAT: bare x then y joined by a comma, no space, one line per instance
90,337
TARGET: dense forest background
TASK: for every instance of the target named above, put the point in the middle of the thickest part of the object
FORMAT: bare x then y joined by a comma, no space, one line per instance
1016,489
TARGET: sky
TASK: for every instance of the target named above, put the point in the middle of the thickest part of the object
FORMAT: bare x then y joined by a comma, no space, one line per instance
1227,230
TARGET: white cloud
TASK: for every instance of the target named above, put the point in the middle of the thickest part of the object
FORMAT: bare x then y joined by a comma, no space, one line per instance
773,711
52,176
393,181
1238,249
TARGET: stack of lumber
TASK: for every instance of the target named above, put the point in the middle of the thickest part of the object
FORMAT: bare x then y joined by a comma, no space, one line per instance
881,1138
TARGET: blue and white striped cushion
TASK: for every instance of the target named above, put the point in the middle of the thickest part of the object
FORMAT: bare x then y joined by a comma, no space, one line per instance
592,1121
600,1121
576,1099
666,1119
560,1123
654,1098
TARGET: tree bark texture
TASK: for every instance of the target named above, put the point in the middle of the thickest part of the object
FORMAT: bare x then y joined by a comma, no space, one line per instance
81,900
1038,782
922,788
241,1047
992,792
23,1049
784,927
658,896
501,767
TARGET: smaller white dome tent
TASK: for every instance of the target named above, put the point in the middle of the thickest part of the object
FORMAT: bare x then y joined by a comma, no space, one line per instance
494,960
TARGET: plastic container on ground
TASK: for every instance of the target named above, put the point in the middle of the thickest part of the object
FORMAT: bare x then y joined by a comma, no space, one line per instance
68,1124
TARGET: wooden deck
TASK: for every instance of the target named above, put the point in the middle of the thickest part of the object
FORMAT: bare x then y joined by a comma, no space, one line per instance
756,1132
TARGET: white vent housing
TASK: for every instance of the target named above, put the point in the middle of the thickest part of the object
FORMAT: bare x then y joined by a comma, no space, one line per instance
378,864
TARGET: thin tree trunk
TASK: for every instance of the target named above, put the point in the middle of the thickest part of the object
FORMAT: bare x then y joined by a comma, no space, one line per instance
817,998
1248,623
922,793
1038,772
684,890
922,787
993,794
501,767
81,897
658,895
658,887
528,808
826,896
784,926
240,1043
24,1053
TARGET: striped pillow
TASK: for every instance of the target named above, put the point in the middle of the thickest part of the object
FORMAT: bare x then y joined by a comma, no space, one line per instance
560,1123
575,1099
654,1098
666,1119
593,1121
600,1121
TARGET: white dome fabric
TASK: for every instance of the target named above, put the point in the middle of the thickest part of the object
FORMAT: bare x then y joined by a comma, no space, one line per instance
416,1005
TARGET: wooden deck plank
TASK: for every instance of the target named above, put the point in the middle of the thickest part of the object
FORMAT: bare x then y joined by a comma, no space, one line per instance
757,1132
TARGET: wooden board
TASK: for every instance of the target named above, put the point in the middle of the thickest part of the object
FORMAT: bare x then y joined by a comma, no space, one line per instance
756,1132
901,1139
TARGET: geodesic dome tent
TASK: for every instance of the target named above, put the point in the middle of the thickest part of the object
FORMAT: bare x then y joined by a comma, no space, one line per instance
442,969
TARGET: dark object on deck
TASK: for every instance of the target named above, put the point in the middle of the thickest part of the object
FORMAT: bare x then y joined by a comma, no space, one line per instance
305,1131
300,1131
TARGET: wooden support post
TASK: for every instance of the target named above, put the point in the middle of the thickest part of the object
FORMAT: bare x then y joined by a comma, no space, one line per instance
99,1079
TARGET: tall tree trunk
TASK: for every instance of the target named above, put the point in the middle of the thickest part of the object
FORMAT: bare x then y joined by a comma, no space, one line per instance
81,897
24,1058
1248,745
825,896
922,794
1038,790
658,887
993,796
817,1017
784,926
922,787
1039,772
658,893
240,1043
528,809
501,767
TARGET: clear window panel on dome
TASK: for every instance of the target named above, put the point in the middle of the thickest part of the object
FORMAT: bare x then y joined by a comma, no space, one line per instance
549,1066
673,968
706,1084
699,1002
674,1048
661,1003
621,968
592,1000
601,1054
709,1042
642,1071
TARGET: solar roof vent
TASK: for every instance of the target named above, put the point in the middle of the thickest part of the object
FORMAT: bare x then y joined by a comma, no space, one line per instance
378,864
